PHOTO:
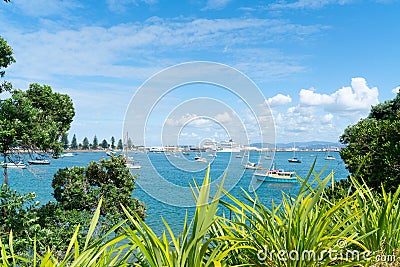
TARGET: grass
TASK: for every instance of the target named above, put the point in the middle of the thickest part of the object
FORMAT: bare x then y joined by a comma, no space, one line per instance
307,230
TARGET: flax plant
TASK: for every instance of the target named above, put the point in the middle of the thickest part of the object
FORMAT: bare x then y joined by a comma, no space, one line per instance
380,218
306,230
194,246
105,251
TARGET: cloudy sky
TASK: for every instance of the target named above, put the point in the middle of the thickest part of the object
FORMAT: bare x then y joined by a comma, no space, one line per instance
319,64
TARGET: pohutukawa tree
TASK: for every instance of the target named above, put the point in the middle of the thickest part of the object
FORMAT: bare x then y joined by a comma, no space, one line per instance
34,120
372,153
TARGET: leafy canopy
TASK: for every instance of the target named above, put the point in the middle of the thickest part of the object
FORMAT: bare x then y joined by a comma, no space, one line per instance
6,56
35,119
80,188
373,146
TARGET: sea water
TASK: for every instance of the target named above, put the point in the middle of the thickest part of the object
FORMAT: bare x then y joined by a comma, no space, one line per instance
178,170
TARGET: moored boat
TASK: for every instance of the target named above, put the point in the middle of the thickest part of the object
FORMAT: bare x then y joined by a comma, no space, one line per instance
329,157
39,162
14,165
279,176
294,160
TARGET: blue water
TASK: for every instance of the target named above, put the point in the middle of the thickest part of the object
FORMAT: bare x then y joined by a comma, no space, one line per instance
181,172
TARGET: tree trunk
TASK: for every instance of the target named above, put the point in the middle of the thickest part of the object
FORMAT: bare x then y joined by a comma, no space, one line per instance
5,173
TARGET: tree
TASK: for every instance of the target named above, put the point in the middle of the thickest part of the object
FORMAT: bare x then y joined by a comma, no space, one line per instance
74,144
80,188
372,153
112,142
130,144
95,143
64,141
34,119
6,56
119,145
104,144
85,143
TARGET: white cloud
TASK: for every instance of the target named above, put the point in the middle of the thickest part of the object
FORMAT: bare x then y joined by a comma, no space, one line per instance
308,4
279,100
327,118
216,4
310,98
359,98
144,48
396,90
223,118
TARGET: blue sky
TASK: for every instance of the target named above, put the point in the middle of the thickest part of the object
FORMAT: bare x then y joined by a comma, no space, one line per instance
320,64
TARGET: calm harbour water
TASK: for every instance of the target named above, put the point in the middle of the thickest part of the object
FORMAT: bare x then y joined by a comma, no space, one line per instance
38,178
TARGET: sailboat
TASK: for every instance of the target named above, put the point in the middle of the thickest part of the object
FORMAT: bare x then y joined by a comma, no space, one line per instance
294,159
130,162
39,160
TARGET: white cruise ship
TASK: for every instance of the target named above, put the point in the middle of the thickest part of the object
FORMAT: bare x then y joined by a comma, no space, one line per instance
229,146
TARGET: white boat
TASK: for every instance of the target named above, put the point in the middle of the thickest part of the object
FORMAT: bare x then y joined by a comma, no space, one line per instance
212,155
238,156
279,176
39,162
110,153
14,165
132,165
294,159
130,162
329,157
69,154
199,159
250,165
253,166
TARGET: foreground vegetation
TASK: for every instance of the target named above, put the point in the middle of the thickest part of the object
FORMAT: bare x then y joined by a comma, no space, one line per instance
312,229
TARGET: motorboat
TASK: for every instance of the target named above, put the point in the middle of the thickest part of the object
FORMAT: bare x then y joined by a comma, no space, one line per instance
329,157
294,160
39,162
279,176
14,165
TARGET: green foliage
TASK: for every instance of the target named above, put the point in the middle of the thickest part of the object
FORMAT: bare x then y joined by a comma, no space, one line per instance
80,188
119,145
129,144
34,119
372,153
104,144
194,246
306,225
6,56
331,232
105,250
85,143
112,142
18,214
64,141
95,143
74,144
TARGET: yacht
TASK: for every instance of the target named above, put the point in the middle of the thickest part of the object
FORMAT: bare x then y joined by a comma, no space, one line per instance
14,165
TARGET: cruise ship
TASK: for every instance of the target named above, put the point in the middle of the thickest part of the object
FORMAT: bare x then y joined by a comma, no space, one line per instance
229,146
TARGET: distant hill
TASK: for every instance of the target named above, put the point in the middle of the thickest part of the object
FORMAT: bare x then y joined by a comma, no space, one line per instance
303,145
